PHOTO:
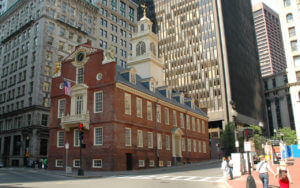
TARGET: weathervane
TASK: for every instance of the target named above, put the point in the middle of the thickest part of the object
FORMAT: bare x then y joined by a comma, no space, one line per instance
144,7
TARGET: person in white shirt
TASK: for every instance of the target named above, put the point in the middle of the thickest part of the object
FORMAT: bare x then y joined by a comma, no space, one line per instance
230,167
224,168
263,167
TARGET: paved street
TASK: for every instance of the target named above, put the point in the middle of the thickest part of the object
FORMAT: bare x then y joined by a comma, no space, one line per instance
198,175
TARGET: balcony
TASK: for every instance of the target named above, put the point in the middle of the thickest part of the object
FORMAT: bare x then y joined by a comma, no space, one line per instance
70,121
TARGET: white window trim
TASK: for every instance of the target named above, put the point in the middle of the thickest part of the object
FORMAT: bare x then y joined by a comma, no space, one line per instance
74,138
158,111
57,161
130,144
140,139
57,139
58,108
95,136
97,166
129,97
141,110
167,114
150,118
174,118
151,140
159,141
168,140
74,162
141,163
95,102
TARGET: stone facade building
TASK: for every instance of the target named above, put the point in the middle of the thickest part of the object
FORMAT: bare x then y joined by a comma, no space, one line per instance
278,101
130,121
34,35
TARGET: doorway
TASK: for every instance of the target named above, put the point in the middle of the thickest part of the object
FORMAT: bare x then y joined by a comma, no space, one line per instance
128,161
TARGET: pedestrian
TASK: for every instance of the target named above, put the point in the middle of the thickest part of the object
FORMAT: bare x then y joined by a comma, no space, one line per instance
230,167
263,167
284,175
224,168
45,163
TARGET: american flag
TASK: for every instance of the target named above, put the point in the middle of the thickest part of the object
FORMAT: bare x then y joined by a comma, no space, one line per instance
67,86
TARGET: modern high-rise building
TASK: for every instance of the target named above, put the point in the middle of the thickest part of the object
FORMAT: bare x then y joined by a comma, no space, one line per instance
35,36
269,40
289,12
210,53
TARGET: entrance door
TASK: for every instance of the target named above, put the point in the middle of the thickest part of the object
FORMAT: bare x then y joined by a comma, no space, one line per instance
128,161
177,146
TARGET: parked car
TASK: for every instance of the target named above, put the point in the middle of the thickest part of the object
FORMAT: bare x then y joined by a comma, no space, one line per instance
1,164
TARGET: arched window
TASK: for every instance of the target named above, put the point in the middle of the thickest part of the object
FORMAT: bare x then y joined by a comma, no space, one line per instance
289,18
153,48
142,27
140,48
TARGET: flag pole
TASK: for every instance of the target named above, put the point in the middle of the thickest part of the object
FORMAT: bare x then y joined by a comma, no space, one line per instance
70,80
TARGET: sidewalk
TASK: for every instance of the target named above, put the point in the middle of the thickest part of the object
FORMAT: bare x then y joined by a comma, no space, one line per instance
293,166
94,174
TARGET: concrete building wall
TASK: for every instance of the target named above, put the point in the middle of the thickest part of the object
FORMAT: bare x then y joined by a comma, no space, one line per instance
290,18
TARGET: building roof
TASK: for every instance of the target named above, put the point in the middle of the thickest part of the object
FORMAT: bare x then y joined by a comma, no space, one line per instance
139,86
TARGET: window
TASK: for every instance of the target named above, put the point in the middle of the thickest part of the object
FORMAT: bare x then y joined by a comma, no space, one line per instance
113,4
141,163
153,50
127,103
204,147
80,75
76,137
292,32
294,45
97,163
181,120
98,101
131,14
76,163
166,116
193,124
127,137
79,104
46,86
298,76
289,18
188,122
59,163
287,3
189,145
62,32
151,163
60,139
142,27
140,138
123,8
159,141
139,108
203,127
98,136
198,126
44,120
51,27
182,144
63,6
199,146
140,48
174,118
194,146
167,142
158,113
150,140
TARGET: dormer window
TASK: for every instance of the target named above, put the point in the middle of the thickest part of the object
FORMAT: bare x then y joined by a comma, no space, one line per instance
142,27
181,99
169,93
152,86
140,48
133,76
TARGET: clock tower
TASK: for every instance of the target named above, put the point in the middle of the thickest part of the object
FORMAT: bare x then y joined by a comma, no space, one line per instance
145,53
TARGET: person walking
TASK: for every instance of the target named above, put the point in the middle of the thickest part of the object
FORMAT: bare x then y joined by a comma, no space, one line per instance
284,175
230,167
263,167
224,168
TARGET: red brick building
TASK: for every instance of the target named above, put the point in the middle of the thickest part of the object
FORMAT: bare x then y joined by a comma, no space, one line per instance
118,108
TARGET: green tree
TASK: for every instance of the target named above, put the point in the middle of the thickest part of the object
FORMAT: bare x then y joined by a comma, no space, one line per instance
227,139
258,139
289,135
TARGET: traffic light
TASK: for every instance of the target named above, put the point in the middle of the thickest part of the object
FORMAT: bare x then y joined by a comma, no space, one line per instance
81,135
80,127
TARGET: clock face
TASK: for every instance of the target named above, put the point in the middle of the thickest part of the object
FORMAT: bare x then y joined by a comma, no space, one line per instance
80,57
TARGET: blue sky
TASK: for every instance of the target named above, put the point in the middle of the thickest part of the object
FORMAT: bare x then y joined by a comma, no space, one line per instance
271,3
